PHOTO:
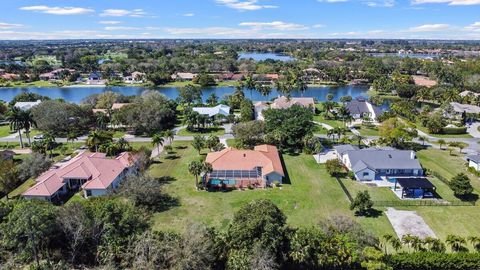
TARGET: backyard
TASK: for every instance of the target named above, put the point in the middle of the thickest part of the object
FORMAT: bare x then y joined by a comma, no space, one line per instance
308,197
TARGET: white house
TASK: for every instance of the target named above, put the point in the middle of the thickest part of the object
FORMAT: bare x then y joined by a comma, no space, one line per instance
213,111
24,106
371,164
474,162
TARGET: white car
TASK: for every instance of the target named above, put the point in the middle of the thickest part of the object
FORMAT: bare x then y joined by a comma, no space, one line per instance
38,137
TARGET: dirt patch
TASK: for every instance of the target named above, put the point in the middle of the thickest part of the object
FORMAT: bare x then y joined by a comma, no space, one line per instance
408,222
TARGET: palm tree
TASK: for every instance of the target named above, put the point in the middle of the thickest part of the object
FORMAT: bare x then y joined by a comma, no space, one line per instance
475,241
408,240
195,168
94,139
157,140
388,238
456,242
264,90
28,123
169,134
14,116
423,139
49,142
434,244
123,145
71,137
250,84
198,143
441,142
359,138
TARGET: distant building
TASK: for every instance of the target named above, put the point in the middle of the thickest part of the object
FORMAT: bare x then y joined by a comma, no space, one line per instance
283,103
24,106
55,75
424,81
94,173
135,77
467,108
371,164
234,168
95,78
360,108
213,111
184,76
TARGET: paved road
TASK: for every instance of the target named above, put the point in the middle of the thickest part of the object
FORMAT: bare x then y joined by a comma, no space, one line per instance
473,130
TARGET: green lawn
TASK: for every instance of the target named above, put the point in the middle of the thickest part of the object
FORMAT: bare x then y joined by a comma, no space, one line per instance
217,131
4,131
367,131
22,188
118,134
333,123
424,129
311,196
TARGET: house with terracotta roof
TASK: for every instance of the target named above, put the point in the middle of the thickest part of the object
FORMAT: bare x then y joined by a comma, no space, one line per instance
94,173
283,103
235,168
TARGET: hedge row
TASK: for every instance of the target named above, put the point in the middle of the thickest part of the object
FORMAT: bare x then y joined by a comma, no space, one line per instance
432,260
454,130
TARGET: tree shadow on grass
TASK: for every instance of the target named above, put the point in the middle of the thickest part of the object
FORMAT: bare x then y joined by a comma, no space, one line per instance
371,213
473,198
181,147
286,179
172,157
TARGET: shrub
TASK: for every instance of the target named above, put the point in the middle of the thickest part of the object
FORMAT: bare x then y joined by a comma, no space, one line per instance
432,260
454,130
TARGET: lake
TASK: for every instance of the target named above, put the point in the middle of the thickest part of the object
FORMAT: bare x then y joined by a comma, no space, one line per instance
257,56
77,94
405,55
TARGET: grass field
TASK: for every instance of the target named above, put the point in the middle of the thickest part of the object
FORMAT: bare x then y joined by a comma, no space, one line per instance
4,131
217,131
310,196
367,131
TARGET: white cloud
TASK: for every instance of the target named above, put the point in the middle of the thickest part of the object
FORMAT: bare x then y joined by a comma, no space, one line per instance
123,13
244,4
474,26
9,25
318,25
110,22
333,1
120,28
188,14
381,3
277,25
450,2
58,10
429,28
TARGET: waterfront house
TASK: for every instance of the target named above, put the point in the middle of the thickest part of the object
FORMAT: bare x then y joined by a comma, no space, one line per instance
95,78
27,105
283,103
370,164
213,111
135,77
94,173
56,74
184,76
235,168
360,108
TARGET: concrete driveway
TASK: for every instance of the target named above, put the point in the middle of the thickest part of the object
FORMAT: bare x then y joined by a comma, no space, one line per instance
473,130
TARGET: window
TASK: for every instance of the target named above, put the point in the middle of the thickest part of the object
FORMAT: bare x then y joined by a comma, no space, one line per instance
89,193
366,174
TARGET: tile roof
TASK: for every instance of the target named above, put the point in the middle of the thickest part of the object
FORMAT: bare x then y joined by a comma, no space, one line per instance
284,102
96,168
263,156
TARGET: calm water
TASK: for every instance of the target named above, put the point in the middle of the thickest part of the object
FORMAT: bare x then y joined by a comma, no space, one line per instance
76,95
411,55
264,56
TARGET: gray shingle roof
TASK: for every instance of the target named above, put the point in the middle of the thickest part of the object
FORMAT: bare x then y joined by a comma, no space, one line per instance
474,158
341,149
377,159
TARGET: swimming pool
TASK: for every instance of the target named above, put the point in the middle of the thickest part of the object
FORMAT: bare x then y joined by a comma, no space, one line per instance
222,181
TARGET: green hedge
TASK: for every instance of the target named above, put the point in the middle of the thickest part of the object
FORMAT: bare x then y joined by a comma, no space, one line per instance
454,130
432,260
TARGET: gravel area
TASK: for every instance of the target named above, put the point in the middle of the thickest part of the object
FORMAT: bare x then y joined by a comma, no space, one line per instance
408,222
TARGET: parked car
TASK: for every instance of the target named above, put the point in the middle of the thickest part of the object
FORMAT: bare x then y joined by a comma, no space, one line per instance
39,137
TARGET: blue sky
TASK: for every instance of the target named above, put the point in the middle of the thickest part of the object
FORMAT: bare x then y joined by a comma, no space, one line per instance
67,19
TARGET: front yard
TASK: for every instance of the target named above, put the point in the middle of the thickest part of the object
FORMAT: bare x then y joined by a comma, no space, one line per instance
217,131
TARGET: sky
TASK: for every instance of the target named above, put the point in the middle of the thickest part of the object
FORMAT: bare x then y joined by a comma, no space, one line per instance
222,19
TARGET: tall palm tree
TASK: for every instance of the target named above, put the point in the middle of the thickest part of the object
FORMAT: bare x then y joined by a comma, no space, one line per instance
195,168
71,137
265,90
123,145
49,143
157,140
250,84
169,134
14,116
359,138
94,139
28,123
